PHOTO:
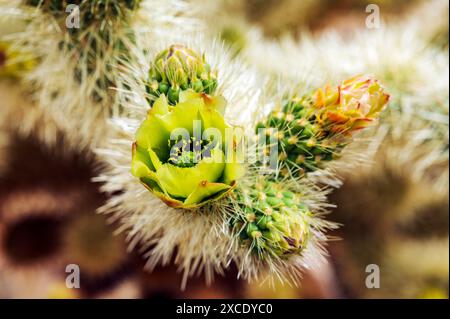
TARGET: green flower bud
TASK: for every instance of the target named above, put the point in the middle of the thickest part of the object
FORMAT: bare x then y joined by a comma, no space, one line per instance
265,222
180,68
253,231
197,86
288,195
163,87
210,85
281,233
173,95
274,202
184,172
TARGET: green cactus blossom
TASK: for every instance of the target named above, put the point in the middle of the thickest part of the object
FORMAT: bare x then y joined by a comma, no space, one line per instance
274,222
315,128
179,68
183,168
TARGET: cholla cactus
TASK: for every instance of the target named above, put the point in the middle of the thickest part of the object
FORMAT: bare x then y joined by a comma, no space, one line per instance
310,131
186,211
415,73
409,151
314,129
264,222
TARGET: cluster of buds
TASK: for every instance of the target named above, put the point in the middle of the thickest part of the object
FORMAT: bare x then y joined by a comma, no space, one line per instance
179,68
314,129
275,221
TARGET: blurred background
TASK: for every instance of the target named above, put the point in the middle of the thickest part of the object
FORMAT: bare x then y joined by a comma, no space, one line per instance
393,211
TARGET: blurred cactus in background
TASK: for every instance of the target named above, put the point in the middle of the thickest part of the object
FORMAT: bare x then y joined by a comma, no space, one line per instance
19,113
79,47
90,90
98,36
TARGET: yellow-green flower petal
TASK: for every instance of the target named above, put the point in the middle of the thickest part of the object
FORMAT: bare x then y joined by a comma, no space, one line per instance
161,107
183,115
139,169
153,132
140,163
181,181
154,159
204,190
188,95
211,118
233,171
